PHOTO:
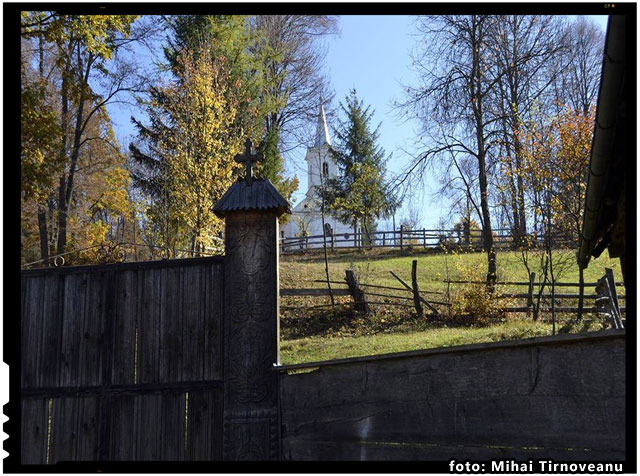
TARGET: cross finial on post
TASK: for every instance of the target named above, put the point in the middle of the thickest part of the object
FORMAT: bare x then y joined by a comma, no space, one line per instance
248,159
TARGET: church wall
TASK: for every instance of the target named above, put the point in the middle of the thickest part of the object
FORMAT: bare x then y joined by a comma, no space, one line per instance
315,158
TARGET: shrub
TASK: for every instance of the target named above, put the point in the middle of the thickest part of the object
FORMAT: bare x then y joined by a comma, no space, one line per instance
473,301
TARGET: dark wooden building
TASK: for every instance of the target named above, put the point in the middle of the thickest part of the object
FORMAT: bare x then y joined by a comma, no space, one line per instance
604,220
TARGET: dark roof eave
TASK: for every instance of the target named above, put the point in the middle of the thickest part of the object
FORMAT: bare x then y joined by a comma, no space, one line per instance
613,68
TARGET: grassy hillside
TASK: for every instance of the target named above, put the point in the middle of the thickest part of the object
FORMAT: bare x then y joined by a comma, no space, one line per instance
299,270
326,333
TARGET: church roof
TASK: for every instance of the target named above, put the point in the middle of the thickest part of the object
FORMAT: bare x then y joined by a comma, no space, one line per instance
322,132
253,195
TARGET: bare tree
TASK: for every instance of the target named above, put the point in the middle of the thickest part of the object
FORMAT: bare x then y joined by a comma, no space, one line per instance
322,194
453,101
291,56
578,75
523,46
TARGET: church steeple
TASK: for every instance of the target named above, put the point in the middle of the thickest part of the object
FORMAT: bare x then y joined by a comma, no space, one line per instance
322,132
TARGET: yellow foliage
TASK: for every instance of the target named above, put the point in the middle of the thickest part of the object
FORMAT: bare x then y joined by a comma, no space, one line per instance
96,32
552,165
473,301
198,150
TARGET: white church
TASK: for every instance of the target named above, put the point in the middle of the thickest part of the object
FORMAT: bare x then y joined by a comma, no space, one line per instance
306,214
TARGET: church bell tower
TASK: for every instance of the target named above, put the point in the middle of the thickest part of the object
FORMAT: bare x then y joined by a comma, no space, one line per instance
319,160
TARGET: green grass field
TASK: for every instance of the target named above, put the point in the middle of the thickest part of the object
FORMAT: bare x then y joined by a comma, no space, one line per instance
321,334
299,270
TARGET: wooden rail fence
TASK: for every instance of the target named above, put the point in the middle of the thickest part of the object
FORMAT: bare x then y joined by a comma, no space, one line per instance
414,295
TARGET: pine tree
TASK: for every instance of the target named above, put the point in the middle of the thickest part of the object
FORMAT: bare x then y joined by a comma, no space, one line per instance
359,194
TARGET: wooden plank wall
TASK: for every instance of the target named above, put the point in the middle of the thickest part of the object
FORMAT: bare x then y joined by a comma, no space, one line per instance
122,362
563,400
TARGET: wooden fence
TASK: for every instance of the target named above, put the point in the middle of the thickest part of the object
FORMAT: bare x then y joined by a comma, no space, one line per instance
418,298
406,238
122,362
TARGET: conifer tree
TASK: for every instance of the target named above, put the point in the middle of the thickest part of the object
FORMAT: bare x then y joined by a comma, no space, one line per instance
359,194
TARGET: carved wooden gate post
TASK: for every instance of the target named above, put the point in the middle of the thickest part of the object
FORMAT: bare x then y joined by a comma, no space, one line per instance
251,328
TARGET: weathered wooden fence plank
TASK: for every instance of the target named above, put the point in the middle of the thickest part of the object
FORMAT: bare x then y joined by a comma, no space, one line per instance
74,429
213,322
74,310
126,330
172,319
50,321
172,429
191,356
204,426
123,428
33,447
92,331
31,331
149,332
149,418
92,335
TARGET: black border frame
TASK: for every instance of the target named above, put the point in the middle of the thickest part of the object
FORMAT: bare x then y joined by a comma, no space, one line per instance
11,195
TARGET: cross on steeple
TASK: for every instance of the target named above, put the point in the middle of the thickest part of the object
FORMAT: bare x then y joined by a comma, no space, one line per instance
248,159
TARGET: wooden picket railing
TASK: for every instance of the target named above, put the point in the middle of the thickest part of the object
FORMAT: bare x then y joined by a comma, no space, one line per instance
405,238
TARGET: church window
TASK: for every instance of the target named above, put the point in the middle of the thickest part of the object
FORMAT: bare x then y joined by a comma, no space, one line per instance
325,169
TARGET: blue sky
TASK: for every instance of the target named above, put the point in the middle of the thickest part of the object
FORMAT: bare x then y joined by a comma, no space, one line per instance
372,54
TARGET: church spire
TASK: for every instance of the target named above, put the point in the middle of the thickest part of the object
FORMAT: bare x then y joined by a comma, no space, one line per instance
322,132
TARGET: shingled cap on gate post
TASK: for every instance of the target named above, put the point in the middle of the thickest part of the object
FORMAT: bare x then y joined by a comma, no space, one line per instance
251,193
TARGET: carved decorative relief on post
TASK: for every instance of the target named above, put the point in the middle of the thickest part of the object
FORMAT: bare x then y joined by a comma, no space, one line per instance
252,328
250,365
251,428
253,437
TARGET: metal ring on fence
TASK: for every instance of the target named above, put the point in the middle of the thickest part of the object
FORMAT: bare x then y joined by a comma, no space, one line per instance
56,263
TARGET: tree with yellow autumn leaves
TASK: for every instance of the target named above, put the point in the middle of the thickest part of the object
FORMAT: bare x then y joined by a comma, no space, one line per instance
69,75
552,166
188,164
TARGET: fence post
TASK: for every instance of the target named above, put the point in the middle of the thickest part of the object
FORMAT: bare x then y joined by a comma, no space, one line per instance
416,291
424,238
357,293
251,422
612,287
532,278
384,236
401,230
607,300
467,232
